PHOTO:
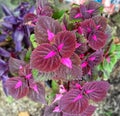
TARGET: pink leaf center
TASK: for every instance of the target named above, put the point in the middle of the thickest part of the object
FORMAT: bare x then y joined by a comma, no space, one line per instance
92,58
78,86
67,62
108,59
50,54
78,45
78,15
89,91
50,35
98,26
58,97
20,67
35,88
60,46
77,98
56,109
18,84
28,76
89,73
84,64
90,11
94,37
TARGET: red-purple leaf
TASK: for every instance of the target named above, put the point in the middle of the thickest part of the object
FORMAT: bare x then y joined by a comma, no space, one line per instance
47,11
37,92
30,18
82,49
75,13
101,23
73,102
96,90
16,87
95,58
25,71
84,12
49,110
45,58
85,67
44,24
14,65
88,26
63,72
89,111
66,42
97,40
67,62
75,59
95,6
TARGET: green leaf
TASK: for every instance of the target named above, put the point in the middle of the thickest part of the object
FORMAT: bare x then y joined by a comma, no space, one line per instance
101,9
55,86
112,48
35,73
10,99
58,14
108,66
33,41
27,56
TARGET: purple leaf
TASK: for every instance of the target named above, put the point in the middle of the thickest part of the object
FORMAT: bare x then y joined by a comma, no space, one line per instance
45,58
6,11
14,65
68,41
4,53
10,19
4,79
96,90
3,67
73,102
2,37
44,24
7,25
16,87
18,37
37,92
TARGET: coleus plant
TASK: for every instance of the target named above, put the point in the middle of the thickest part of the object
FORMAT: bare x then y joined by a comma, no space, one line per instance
65,51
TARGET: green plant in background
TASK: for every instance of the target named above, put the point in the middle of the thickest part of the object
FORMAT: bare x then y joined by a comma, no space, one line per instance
109,61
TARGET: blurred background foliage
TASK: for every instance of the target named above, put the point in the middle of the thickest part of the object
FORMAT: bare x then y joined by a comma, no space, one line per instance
11,4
